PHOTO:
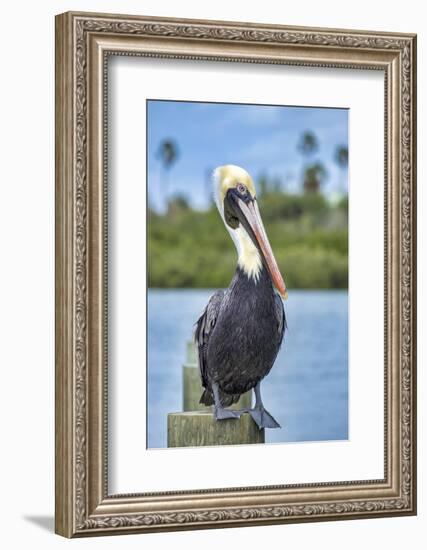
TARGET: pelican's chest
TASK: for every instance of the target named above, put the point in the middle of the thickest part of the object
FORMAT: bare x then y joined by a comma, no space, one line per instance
247,322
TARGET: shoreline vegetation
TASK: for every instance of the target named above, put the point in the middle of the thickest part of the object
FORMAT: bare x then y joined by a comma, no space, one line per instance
308,232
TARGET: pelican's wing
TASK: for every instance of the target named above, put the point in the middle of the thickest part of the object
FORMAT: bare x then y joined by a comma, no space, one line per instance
280,315
204,327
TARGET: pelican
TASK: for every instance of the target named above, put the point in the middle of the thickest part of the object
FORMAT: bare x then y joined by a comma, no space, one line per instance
241,329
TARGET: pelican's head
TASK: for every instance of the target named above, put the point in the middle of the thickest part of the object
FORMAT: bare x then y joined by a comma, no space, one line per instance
235,197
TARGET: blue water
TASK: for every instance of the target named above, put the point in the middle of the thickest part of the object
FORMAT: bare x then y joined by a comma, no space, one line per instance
307,389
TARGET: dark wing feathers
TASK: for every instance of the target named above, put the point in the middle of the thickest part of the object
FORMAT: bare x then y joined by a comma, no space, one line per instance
204,327
280,314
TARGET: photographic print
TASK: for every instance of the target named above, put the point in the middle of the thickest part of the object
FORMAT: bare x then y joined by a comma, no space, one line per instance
235,274
247,255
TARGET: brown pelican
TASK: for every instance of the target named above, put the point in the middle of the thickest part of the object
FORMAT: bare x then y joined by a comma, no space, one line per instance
241,329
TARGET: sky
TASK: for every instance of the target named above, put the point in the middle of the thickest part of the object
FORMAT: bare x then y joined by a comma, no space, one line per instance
261,139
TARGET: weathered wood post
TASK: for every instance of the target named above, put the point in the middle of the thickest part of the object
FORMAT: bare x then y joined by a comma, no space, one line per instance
197,427
191,353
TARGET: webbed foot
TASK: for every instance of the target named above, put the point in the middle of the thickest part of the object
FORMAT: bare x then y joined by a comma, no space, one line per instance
263,418
222,414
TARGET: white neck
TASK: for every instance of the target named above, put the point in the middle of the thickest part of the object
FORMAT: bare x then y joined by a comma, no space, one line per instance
249,259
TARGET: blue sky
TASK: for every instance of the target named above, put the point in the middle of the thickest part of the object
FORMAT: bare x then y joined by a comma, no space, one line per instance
262,139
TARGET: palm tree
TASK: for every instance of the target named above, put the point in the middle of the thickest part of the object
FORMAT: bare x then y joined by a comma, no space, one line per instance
341,158
168,155
307,146
314,176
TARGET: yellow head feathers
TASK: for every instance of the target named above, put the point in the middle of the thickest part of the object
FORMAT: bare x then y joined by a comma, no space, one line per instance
229,176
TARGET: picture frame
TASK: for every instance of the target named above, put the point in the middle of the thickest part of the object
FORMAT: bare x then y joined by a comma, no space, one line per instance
84,42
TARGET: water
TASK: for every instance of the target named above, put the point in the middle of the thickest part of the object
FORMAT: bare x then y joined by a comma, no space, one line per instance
307,389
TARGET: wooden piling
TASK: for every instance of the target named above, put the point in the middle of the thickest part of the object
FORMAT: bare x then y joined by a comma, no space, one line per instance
192,389
199,428
191,353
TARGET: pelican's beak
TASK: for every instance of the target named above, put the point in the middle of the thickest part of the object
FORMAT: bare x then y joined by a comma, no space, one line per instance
250,217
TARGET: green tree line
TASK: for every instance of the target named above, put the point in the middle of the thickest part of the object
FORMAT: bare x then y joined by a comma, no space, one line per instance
191,249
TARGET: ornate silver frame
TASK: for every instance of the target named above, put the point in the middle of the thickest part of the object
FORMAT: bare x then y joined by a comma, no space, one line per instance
83,42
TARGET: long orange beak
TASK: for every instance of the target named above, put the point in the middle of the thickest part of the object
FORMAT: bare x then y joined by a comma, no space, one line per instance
252,216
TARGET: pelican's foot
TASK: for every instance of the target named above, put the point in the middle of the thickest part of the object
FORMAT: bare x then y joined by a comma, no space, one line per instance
263,418
222,414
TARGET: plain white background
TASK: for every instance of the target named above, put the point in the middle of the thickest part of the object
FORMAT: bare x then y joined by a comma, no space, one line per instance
27,274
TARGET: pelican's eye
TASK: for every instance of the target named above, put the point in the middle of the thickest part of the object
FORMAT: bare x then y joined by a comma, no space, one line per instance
241,189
